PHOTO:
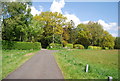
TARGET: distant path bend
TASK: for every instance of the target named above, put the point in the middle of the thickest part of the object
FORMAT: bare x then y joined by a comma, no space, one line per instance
41,66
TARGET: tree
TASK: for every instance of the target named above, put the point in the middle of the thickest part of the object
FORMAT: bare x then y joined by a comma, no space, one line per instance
96,31
35,30
93,34
84,36
65,36
117,43
53,23
16,20
107,40
71,27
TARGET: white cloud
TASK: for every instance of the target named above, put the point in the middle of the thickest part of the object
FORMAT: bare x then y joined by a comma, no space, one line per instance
57,6
110,27
34,11
115,34
85,22
72,17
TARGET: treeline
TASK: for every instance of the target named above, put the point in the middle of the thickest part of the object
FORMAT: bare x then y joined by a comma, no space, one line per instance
51,27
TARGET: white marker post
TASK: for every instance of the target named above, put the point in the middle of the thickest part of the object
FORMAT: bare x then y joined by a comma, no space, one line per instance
87,68
110,78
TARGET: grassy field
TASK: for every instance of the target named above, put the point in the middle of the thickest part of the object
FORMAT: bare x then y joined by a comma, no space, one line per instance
102,63
12,59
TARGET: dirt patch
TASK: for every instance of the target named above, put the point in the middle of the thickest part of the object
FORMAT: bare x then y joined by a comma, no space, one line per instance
29,54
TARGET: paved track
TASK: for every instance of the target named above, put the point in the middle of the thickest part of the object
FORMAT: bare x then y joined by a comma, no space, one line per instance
41,66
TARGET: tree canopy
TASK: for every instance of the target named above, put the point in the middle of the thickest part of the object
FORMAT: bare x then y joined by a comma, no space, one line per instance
16,20
50,27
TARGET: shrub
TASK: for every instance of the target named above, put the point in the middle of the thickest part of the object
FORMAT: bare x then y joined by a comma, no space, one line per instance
81,46
55,45
20,45
52,45
99,48
90,47
78,46
59,45
69,46
94,47
106,48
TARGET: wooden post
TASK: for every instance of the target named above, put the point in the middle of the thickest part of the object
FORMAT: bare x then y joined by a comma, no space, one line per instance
110,78
87,68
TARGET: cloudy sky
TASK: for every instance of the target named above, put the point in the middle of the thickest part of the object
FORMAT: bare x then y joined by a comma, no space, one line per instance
106,13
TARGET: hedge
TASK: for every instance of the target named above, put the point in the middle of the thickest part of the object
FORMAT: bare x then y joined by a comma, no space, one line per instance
69,46
8,44
55,45
20,45
94,47
78,46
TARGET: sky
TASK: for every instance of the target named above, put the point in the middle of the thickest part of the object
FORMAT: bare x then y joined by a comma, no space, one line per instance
105,13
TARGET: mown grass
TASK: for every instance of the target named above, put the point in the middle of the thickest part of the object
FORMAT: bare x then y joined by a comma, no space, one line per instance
102,63
12,59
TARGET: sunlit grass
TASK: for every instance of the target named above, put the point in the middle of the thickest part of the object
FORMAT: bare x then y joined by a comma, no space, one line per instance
102,63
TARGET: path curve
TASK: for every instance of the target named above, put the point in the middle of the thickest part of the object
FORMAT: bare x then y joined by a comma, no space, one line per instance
41,66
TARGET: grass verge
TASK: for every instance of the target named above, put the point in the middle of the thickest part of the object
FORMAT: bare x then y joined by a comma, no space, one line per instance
12,59
102,63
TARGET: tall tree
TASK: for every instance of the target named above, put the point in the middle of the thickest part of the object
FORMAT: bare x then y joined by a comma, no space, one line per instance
65,36
71,26
16,20
84,36
117,43
96,31
107,40
35,30
53,25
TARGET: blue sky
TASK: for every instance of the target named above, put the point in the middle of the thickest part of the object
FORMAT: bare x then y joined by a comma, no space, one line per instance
106,13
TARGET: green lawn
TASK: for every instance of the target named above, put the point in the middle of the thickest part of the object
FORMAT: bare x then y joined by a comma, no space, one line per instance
12,59
102,63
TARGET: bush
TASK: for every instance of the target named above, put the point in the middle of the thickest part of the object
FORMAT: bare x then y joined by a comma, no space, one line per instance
20,45
81,47
78,46
55,45
69,46
90,47
94,47
99,48
106,48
